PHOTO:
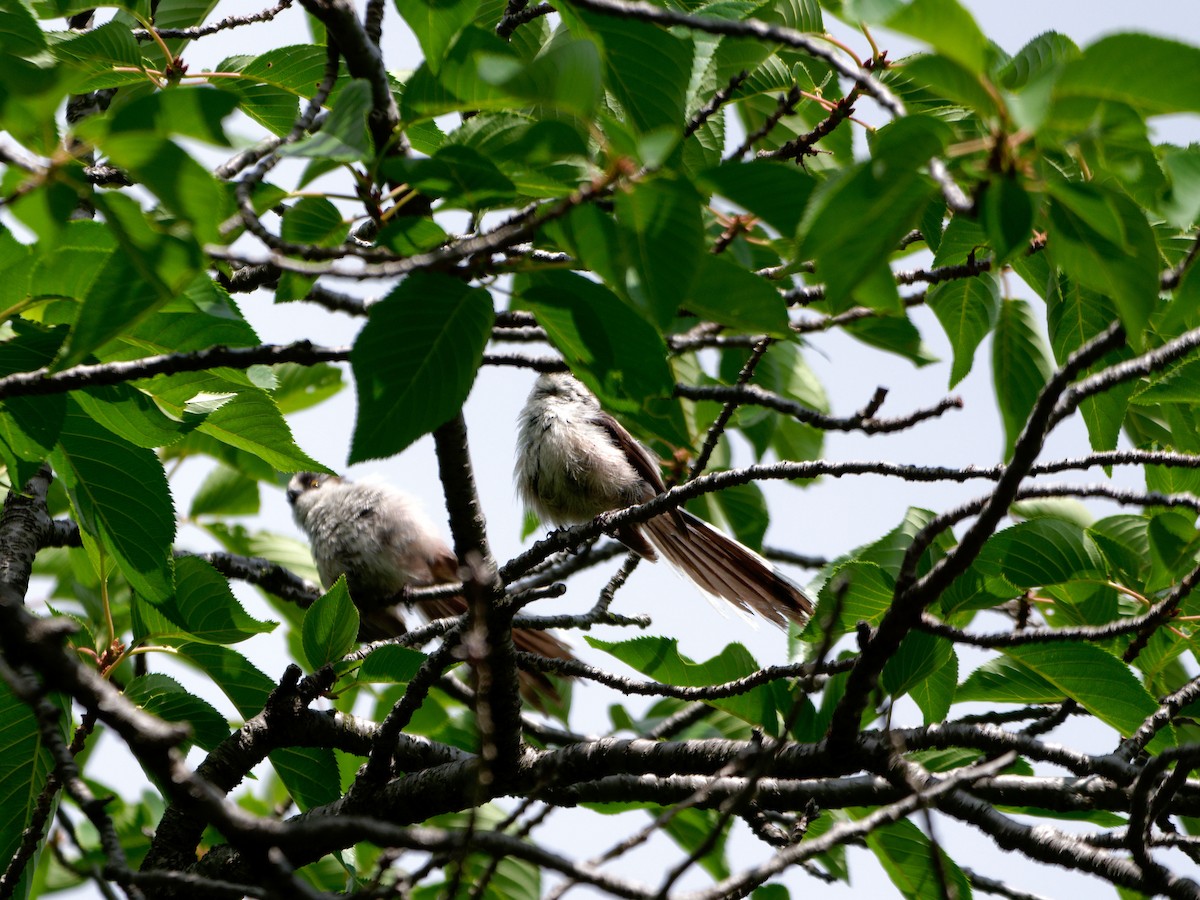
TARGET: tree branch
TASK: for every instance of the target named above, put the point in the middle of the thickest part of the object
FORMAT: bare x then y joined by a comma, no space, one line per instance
41,382
364,60
912,595
489,640
865,421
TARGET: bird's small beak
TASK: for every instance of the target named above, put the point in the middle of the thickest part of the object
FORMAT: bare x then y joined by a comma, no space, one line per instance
292,494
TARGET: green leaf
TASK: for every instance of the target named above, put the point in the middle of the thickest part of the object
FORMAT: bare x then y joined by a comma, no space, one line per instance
952,80
895,335
330,626
785,372
1103,241
945,25
30,426
1153,74
202,316
344,136
415,361
97,49
272,82
565,75
1179,384
238,679
47,9
149,269
1047,551
457,85
33,92
462,178
17,262
194,112
775,192
225,492
659,658
435,24
1020,367
661,236
930,225
391,664
1184,304
166,698
245,416
936,693
962,239
181,14
314,220
132,415
907,144
309,773
301,387
887,191
918,659
408,235
968,309
1124,541
1095,679
1075,315
121,496
740,510
906,854
1041,53
858,592
184,187
1007,216
1066,509
70,266
724,292
647,67
802,15
25,765
1181,205
20,33
889,551
1172,537
204,608
1002,680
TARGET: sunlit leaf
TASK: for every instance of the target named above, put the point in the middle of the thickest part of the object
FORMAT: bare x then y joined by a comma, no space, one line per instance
415,361
121,496
1020,366
330,626
170,701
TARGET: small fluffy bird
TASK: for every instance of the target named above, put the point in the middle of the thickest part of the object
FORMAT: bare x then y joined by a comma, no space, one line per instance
575,461
383,542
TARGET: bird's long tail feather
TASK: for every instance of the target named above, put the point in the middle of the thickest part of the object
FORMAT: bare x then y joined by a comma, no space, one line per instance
722,567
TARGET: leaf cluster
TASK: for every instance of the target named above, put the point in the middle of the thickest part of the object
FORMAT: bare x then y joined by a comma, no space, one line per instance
676,202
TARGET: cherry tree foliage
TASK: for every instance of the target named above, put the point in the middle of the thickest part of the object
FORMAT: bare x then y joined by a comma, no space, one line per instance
677,202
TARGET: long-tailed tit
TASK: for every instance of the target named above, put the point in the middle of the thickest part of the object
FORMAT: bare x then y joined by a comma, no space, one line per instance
383,542
575,461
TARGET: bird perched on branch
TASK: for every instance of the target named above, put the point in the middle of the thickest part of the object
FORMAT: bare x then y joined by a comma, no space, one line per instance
575,461
383,542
